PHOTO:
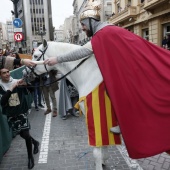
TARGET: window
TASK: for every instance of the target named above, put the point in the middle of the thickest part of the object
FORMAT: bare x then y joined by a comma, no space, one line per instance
108,9
118,7
36,11
146,34
40,11
166,29
129,3
41,2
142,1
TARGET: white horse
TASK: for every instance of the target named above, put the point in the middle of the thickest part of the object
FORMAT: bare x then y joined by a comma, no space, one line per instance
85,78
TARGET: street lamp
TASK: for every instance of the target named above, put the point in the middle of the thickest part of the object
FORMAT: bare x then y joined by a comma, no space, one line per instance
15,2
41,32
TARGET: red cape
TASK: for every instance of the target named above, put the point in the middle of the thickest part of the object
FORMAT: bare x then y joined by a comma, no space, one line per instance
137,77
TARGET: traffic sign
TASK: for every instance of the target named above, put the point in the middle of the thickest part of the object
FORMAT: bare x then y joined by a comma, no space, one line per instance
17,29
18,36
17,22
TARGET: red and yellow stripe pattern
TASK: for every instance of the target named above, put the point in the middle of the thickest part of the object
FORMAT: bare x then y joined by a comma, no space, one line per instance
100,118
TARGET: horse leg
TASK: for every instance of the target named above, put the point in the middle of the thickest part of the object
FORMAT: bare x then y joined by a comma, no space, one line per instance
97,153
105,155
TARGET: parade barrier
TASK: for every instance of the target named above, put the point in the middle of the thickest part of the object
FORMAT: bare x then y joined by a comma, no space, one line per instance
5,131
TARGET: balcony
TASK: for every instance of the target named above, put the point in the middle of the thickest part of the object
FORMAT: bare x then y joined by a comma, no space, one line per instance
125,15
150,5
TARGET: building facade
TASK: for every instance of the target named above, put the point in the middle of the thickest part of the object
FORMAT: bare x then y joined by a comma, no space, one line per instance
37,22
59,35
3,36
10,34
78,7
149,19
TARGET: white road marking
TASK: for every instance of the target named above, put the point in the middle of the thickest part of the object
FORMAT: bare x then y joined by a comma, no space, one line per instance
45,140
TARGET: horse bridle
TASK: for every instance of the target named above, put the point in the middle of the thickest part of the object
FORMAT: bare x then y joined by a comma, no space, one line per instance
39,58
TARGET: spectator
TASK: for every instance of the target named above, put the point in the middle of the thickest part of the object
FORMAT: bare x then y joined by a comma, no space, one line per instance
37,94
168,42
74,98
66,102
49,90
164,43
1,52
6,53
14,105
16,55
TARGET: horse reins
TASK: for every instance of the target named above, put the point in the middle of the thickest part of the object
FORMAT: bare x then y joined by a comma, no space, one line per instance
32,70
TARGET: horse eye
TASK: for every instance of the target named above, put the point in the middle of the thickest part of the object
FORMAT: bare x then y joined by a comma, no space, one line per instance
35,56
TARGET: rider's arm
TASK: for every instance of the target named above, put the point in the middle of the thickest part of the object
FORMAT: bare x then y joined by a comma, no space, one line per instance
77,54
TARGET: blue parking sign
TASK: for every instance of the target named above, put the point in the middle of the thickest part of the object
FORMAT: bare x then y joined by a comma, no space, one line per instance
17,22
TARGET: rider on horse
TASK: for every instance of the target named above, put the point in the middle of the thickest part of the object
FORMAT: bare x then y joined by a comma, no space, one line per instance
136,76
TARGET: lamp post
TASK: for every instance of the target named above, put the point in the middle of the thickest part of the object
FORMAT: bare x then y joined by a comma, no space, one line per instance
15,13
102,10
15,2
41,32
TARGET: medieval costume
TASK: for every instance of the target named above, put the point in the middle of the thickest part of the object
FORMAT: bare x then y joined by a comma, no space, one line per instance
15,107
136,76
64,99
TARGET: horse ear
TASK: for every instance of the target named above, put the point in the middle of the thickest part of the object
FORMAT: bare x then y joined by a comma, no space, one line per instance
44,43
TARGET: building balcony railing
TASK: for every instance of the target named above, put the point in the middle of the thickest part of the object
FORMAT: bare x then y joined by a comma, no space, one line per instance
150,5
126,14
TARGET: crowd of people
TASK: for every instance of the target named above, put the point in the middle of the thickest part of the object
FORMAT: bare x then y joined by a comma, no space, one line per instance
14,103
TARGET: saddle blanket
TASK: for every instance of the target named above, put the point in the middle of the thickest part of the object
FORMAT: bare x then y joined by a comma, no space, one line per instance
100,117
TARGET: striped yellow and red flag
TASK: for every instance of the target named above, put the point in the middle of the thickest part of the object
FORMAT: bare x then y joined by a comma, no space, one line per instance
100,118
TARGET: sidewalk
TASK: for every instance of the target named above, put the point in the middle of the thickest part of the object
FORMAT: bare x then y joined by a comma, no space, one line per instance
68,147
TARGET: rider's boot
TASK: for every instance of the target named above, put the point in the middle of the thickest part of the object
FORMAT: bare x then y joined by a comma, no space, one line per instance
115,130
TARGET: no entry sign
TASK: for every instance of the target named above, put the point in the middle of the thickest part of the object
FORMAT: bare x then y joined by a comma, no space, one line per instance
18,36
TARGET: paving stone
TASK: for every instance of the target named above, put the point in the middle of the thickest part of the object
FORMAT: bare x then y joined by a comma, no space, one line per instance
69,149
